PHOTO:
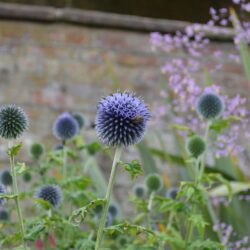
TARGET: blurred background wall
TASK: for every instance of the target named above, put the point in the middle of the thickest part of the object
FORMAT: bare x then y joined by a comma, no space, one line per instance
50,67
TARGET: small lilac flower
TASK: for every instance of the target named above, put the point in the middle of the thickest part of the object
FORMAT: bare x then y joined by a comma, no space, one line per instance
13,122
50,193
121,119
65,127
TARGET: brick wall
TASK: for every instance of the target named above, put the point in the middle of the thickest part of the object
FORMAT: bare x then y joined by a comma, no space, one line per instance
49,68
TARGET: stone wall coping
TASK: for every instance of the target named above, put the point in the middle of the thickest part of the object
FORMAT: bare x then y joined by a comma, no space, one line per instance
100,19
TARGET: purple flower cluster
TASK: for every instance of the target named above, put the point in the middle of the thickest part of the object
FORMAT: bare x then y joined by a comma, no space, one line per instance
228,233
184,86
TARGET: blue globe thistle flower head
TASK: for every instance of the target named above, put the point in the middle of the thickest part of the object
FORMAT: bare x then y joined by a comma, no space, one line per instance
58,147
109,220
139,191
27,177
172,192
2,191
65,127
5,177
196,146
51,194
13,122
4,214
121,119
122,241
210,106
79,118
113,210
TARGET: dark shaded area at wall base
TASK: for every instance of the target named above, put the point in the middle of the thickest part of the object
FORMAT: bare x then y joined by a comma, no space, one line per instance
186,10
97,19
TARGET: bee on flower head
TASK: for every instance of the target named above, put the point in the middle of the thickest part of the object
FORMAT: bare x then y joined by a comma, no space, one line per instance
138,119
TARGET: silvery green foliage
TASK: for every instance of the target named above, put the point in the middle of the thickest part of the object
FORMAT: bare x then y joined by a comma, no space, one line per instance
121,119
13,121
196,146
210,106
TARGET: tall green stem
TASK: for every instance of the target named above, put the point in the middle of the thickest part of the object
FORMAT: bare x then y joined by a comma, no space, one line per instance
16,194
64,161
190,228
117,157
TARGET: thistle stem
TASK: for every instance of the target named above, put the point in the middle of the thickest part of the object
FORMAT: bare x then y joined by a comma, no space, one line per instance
64,162
150,202
16,194
117,157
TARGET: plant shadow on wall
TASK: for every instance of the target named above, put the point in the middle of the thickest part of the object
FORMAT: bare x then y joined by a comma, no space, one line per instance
65,201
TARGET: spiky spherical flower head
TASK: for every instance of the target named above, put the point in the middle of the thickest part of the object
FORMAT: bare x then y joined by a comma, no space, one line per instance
5,177
65,127
210,106
113,210
196,146
154,182
79,118
122,241
27,177
50,193
4,215
139,191
13,122
172,193
36,150
109,220
2,191
121,119
58,147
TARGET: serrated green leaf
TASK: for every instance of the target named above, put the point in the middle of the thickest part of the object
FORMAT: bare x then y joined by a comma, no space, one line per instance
126,227
180,127
7,196
218,125
79,215
133,168
20,168
236,187
34,232
44,204
14,150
